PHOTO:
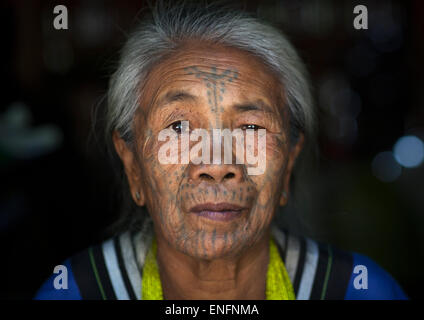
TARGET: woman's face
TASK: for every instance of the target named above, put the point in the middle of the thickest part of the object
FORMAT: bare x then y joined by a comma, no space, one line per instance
210,211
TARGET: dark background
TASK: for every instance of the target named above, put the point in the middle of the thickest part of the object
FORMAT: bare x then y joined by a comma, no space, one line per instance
56,182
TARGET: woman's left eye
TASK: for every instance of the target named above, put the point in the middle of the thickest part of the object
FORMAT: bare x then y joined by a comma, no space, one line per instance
251,127
176,126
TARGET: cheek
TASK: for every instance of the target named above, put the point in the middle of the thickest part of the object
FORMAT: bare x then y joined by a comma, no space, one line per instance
275,158
161,181
270,182
277,147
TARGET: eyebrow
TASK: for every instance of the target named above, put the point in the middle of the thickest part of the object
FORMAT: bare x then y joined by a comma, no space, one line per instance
181,95
175,95
258,105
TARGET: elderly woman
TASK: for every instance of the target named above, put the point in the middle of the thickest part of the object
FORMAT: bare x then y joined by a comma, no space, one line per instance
208,233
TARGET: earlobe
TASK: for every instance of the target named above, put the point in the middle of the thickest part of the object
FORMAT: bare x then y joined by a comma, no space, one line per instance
283,199
139,198
131,169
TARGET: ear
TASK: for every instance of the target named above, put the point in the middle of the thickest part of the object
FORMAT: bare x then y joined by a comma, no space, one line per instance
131,168
294,152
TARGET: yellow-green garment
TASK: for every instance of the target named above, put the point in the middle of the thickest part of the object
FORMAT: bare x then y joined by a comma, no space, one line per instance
278,285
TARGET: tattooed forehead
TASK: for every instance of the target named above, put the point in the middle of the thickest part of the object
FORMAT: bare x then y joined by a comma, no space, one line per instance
212,75
212,66
212,85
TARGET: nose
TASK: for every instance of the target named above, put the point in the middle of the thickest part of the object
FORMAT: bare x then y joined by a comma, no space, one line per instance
215,173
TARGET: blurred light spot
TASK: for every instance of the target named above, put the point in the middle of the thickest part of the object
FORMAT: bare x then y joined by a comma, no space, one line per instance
21,141
92,24
343,130
331,84
28,143
342,106
337,97
16,115
348,129
385,167
409,151
386,33
345,102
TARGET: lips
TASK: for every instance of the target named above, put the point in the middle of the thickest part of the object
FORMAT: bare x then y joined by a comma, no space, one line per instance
218,211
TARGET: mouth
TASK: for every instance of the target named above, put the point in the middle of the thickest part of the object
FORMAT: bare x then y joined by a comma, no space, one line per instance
219,212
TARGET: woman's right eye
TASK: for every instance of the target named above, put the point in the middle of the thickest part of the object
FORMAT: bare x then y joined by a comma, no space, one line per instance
176,126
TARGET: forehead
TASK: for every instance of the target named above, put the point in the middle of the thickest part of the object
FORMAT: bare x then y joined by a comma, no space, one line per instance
195,65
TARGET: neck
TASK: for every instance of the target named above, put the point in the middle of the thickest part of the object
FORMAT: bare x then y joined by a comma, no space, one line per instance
242,277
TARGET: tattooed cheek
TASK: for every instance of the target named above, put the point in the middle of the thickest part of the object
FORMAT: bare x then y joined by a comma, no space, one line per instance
276,149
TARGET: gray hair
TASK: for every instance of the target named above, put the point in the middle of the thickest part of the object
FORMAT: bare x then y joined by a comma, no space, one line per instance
170,25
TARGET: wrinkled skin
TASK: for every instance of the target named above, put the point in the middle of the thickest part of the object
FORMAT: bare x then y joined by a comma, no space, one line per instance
211,87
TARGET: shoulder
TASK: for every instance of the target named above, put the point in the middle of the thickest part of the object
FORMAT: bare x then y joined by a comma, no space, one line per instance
107,271
60,285
369,281
320,271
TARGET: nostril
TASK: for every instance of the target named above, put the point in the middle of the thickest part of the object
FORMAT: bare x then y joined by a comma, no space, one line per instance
229,175
205,176
218,178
